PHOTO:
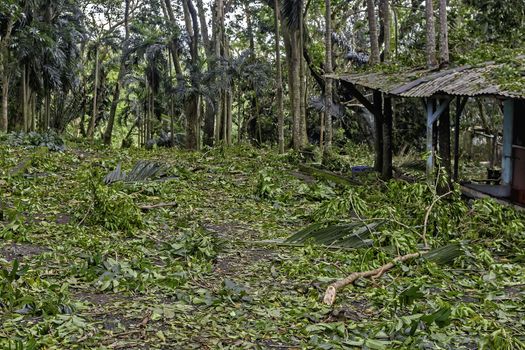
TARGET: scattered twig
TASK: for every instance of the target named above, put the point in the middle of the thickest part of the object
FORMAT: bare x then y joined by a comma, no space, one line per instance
427,215
331,292
156,206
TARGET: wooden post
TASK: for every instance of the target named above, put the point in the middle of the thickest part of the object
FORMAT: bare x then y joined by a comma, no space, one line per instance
387,139
508,135
444,142
378,121
430,138
460,105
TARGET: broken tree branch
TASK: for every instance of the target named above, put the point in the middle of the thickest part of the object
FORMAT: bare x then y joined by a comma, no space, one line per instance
331,291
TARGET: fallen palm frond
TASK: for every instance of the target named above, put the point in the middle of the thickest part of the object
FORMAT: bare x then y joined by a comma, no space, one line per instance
351,235
142,171
441,255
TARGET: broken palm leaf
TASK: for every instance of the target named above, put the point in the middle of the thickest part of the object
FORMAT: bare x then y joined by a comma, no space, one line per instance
142,171
444,255
351,235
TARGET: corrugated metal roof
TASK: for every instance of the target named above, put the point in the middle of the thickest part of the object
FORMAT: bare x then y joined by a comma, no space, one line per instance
461,81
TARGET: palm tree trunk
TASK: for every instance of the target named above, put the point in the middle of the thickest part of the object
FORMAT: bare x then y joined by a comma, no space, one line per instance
279,78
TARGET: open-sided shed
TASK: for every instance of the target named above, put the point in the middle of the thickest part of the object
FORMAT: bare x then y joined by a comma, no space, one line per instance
438,89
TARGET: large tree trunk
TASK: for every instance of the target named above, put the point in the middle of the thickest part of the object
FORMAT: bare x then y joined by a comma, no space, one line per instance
374,40
443,33
192,104
279,78
328,81
209,115
431,35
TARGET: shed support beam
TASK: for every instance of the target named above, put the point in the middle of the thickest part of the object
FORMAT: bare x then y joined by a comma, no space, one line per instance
360,97
387,138
460,106
508,135
432,116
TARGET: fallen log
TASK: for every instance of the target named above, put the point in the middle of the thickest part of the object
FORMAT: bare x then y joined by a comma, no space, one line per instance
331,291
156,206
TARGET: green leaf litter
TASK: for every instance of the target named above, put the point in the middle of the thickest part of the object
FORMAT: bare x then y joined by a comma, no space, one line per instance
81,267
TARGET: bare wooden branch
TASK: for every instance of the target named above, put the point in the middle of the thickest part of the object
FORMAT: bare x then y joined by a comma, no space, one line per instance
331,291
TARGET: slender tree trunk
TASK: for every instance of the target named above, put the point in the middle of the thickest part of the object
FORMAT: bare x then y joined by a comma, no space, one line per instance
328,80
385,15
227,93
279,78
253,120
33,112
218,39
91,128
431,35
302,75
5,100
374,40
209,113
296,90
120,80
443,33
